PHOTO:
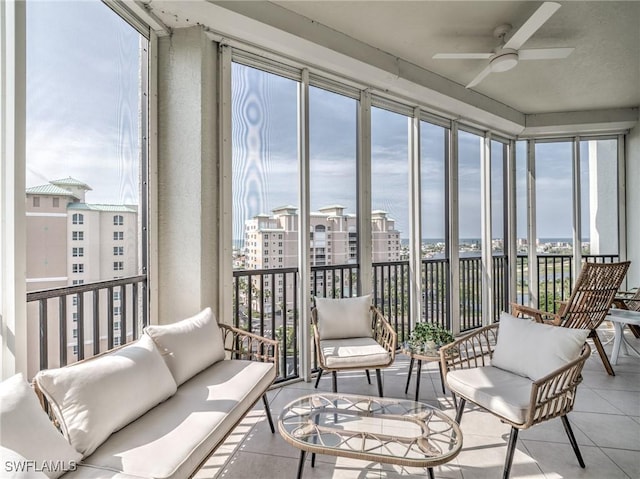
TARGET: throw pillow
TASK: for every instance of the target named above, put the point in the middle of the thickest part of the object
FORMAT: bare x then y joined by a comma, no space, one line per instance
95,398
30,445
344,318
190,345
533,349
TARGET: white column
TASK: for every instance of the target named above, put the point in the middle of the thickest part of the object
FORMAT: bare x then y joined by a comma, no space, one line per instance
364,194
225,231
304,256
531,223
485,231
512,222
188,186
577,210
13,308
453,227
415,228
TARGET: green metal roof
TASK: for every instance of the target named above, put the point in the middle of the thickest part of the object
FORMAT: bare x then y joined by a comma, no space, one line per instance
97,207
49,189
69,181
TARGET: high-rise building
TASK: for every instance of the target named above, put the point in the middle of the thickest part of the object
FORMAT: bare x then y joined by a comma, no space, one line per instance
72,242
271,242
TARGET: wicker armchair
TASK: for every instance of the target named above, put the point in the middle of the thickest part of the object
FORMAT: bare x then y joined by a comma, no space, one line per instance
518,401
373,348
586,308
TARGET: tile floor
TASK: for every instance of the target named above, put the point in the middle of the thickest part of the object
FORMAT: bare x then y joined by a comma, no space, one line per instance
605,420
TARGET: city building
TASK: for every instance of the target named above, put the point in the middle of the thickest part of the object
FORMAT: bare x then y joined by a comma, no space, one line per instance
72,242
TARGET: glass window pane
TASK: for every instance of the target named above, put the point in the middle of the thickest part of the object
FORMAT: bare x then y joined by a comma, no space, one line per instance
389,184
599,195
333,192
432,187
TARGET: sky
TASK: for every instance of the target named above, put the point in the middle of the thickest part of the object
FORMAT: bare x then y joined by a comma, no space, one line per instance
83,100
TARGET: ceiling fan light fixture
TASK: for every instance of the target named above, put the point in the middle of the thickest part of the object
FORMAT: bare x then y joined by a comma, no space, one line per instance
503,61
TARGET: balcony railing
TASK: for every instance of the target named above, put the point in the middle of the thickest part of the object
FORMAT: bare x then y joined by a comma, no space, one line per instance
266,302
102,315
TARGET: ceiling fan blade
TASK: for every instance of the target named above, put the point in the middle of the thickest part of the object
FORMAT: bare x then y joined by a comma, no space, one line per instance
532,25
544,53
462,56
479,77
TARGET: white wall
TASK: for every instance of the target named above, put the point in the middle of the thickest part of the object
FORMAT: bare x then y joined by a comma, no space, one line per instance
633,207
187,178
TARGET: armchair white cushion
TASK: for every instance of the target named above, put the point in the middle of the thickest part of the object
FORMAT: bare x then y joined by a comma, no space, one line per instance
344,318
535,350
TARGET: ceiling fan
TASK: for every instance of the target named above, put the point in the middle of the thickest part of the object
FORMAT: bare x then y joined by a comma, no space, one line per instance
507,55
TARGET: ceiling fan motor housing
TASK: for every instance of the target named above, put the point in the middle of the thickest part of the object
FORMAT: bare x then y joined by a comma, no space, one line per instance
503,60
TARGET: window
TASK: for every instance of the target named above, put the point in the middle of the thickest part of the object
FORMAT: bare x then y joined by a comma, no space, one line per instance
118,251
118,220
77,235
77,219
77,252
75,333
77,281
75,350
36,201
118,235
116,295
74,301
118,265
75,314
56,202
78,268
116,325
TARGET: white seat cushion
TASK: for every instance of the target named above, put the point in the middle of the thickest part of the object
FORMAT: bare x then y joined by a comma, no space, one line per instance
533,349
26,432
499,391
353,353
344,317
172,439
190,345
94,398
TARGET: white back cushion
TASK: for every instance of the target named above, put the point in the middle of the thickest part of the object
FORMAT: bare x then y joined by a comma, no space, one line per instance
533,349
344,318
96,398
190,345
26,433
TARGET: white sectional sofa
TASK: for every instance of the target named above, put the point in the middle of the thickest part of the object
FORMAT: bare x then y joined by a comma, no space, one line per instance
155,408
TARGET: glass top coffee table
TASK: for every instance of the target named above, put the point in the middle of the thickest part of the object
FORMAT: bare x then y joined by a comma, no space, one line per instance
383,430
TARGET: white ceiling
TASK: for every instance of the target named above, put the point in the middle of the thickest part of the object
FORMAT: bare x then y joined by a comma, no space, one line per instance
400,37
602,72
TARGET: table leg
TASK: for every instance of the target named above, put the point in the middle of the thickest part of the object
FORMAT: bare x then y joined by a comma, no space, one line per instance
418,378
617,341
406,388
430,473
303,456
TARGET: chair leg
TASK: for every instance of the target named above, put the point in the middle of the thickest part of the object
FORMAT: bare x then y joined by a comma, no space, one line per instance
511,448
460,410
265,401
334,381
603,355
379,378
572,439
318,378
406,388
368,376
